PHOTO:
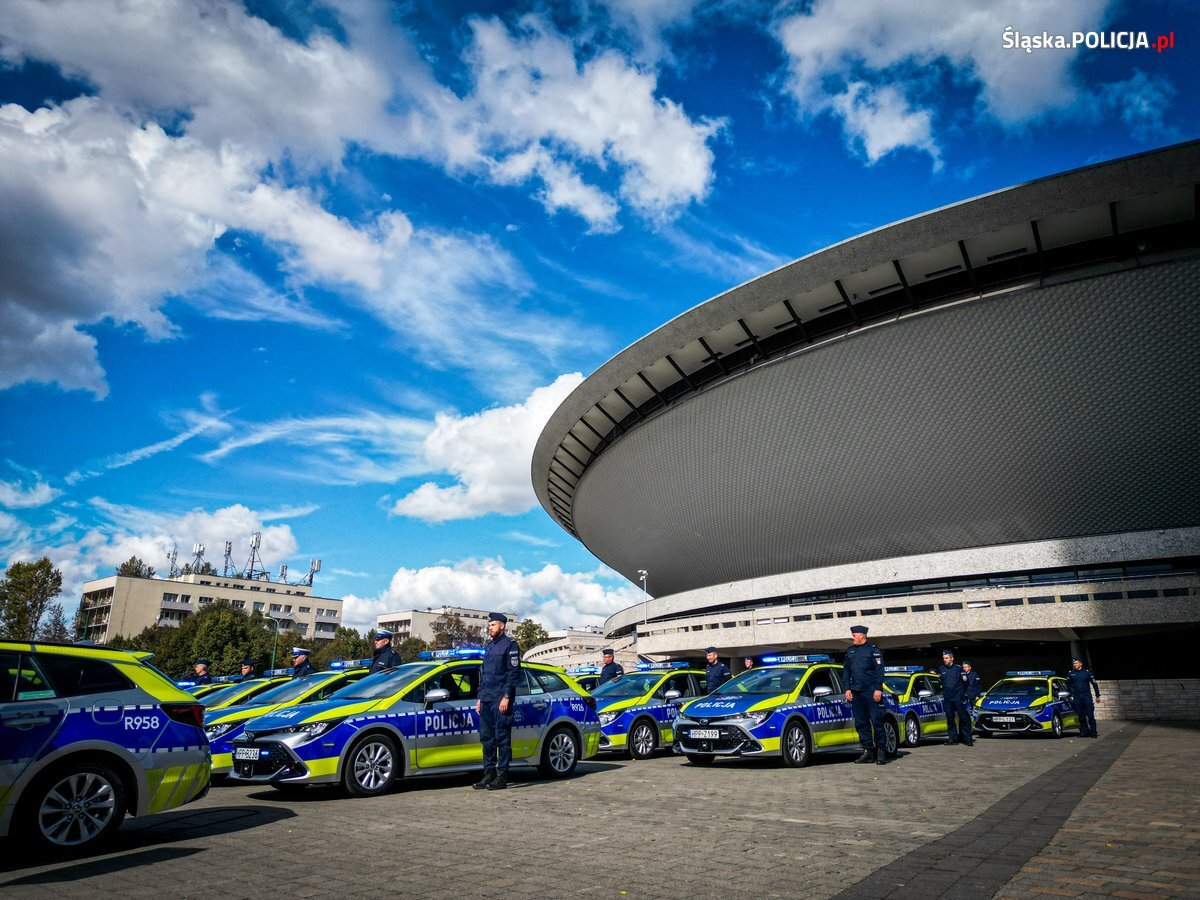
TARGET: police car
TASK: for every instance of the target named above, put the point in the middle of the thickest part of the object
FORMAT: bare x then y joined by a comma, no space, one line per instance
915,697
88,735
198,690
635,714
790,707
587,677
416,719
233,689
224,725
1037,702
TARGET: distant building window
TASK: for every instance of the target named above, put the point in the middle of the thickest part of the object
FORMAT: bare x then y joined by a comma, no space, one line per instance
270,590
186,598
274,607
206,599
206,582
255,588
287,609
240,604
170,598
305,609
258,606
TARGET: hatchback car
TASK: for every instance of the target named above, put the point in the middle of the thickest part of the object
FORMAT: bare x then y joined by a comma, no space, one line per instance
1030,702
635,715
88,735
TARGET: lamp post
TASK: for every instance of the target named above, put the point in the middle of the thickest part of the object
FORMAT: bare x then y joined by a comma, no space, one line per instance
642,574
275,645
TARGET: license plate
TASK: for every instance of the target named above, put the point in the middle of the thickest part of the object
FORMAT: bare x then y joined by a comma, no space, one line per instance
1004,718
246,753
705,734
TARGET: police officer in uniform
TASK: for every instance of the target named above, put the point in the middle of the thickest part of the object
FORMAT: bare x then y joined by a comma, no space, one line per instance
300,664
974,689
202,676
716,673
954,698
384,657
1082,684
611,669
863,675
497,694
247,669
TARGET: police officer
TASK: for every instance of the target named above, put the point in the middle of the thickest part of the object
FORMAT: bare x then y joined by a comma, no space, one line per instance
974,687
954,698
863,675
300,664
716,673
202,676
384,657
748,662
247,669
497,693
611,669
1082,684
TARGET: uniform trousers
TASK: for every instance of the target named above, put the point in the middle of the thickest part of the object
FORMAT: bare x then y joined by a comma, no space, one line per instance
1086,710
868,717
495,730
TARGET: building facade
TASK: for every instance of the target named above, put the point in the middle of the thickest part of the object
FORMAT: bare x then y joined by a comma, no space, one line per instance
570,647
978,427
418,623
121,605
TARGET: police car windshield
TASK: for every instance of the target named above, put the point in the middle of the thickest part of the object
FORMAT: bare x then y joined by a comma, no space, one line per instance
633,685
1032,689
383,684
222,694
769,681
289,690
897,684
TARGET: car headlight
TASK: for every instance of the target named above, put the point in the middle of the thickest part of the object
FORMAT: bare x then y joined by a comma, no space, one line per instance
607,718
220,729
312,730
757,718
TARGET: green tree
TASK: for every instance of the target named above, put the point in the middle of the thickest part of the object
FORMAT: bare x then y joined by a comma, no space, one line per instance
135,568
347,643
451,631
25,592
410,647
55,627
205,568
529,634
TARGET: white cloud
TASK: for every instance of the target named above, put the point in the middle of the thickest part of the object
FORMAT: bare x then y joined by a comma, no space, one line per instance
15,495
836,48
530,539
1142,102
488,454
553,597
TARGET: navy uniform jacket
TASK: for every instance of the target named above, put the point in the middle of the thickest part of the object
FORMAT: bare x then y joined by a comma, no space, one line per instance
305,668
954,682
863,668
203,679
610,671
1080,680
501,669
715,675
974,686
384,659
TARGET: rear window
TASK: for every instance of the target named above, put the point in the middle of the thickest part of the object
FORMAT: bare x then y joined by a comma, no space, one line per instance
74,676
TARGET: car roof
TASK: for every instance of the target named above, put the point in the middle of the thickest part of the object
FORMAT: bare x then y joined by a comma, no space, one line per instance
97,651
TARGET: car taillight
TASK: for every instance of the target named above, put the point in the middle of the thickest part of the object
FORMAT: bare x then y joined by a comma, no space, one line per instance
185,713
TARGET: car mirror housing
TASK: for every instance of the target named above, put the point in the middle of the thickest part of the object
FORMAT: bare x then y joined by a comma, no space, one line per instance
437,695
819,693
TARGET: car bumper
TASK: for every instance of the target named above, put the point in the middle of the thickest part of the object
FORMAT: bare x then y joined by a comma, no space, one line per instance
1009,722
730,740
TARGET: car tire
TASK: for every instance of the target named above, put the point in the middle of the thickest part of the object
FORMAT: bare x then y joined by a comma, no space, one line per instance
642,740
1056,726
912,732
795,745
560,753
49,819
701,759
891,737
371,766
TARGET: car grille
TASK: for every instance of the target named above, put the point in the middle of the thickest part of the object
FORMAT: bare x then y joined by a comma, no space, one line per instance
1022,723
729,740
273,762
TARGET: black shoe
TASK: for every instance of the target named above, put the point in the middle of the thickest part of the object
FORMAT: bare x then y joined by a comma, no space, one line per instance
868,756
489,775
881,759
952,743
499,783
1093,734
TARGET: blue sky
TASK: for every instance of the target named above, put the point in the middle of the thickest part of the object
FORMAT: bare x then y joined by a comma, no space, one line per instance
324,270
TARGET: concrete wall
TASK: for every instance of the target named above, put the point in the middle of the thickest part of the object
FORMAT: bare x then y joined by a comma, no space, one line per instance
1149,699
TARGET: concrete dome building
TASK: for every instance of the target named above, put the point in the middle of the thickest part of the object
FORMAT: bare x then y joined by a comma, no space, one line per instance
979,426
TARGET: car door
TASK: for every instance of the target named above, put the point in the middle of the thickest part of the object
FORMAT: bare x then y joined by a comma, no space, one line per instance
31,714
447,732
687,687
832,720
532,712
933,709
1066,709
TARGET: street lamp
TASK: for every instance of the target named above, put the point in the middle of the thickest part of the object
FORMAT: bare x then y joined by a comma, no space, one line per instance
645,596
275,645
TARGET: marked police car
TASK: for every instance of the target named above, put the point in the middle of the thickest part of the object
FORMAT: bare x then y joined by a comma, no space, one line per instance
636,715
233,689
224,725
1026,701
87,735
416,719
198,690
915,697
790,707
587,677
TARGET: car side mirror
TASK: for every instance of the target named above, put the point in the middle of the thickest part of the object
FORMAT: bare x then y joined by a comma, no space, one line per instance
672,696
821,692
924,695
1064,695
437,695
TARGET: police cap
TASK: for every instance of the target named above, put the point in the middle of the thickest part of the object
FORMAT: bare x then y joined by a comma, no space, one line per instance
381,633
203,662
710,649
966,662
858,629
248,662
498,617
607,651
299,651
947,651
1076,659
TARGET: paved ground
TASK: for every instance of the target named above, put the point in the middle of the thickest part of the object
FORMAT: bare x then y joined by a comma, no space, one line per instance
1118,816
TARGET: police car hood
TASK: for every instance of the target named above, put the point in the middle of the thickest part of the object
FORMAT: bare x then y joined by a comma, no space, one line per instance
309,712
1003,703
731,704
616,704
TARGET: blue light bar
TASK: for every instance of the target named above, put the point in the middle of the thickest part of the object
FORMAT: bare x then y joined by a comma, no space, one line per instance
186,684
275,673
456,653
1040,673
227,679
340,665
796,658
903,670
584,670
647,667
